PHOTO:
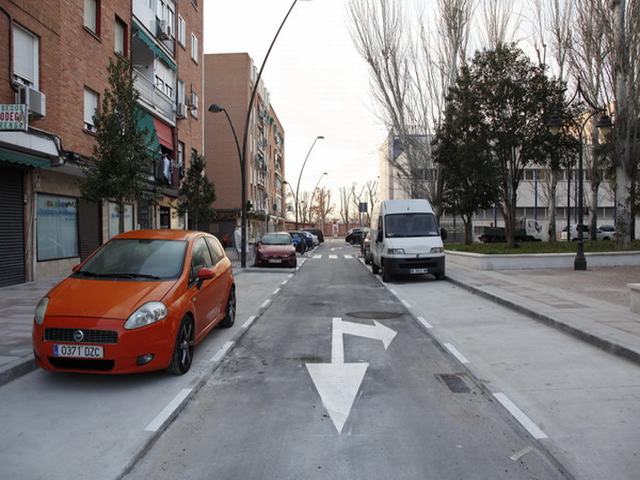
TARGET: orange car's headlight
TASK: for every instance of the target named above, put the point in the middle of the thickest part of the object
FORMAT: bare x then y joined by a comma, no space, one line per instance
41,310
147,314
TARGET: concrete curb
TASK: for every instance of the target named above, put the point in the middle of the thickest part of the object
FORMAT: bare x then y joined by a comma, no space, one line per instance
196,385
591,338
16,369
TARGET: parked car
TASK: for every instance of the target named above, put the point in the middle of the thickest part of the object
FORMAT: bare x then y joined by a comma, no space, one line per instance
407,240
299,242
317,232
574,232
316,240
365,248
308,238
606,232
276,249
356,235
139,303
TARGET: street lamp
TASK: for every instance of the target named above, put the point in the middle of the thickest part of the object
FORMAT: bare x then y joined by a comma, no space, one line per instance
315,188
319,137
243,152
555,125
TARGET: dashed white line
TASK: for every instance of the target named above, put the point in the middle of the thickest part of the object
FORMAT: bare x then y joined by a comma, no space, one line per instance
454,351
393,291
290,275
284,282
265,304
333,257
519,415
276,291
157,422
406,304
248,323
424,322
222,352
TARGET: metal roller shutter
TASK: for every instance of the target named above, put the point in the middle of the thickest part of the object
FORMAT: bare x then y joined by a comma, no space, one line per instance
11,227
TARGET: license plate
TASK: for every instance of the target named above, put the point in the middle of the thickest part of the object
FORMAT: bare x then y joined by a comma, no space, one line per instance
78,351
418,271
275,260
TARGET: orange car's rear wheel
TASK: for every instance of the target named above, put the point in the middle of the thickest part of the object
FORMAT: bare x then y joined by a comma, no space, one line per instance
183,349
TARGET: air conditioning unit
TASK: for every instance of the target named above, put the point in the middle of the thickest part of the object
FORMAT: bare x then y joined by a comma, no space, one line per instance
181,110
35,101
163,30
192,100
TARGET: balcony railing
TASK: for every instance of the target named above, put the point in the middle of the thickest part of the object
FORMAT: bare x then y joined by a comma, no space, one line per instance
153,97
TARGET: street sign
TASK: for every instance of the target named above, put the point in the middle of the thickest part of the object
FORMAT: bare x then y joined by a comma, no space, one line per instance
338,382
363,207
14,117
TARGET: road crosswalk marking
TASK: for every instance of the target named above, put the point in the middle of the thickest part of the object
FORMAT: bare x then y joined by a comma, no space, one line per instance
317,256
348,256
333,257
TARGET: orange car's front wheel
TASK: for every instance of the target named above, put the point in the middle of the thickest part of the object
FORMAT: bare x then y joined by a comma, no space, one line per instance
183,349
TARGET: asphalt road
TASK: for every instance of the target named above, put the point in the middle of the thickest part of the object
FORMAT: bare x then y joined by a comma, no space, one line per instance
311,392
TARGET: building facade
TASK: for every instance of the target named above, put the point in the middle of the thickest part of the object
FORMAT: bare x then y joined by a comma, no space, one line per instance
53,72
230,79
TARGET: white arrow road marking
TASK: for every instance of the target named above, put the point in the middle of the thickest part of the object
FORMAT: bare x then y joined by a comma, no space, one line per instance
338,382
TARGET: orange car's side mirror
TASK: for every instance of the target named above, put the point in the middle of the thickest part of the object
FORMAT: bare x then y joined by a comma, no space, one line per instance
205,274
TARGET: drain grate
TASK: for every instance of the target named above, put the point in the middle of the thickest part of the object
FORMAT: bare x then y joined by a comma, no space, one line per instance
455,382
377,315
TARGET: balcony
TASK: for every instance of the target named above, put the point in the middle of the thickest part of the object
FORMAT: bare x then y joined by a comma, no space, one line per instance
152,98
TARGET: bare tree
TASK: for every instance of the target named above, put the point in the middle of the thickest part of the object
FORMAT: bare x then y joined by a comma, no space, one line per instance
371,197
304,206
345,205
357,195
323,206
499,23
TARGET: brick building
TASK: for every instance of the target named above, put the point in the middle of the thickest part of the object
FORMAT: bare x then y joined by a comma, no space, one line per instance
230,78
53,60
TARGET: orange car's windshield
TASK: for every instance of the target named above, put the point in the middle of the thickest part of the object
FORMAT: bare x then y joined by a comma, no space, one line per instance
136,259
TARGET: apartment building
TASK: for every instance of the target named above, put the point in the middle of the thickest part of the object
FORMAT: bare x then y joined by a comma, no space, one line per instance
230,79
53,71
533,192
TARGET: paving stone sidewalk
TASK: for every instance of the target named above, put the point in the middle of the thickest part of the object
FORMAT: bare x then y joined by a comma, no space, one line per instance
592,306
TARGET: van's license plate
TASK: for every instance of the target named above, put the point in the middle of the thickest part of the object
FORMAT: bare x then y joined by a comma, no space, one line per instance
78,351
418,271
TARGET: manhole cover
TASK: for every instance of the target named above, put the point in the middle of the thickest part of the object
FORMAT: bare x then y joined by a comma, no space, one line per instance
377,315
455,382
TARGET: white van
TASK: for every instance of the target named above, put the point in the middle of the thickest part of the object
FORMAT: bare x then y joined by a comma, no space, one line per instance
407,240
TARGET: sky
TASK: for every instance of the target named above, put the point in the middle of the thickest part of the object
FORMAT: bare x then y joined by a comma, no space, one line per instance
319,84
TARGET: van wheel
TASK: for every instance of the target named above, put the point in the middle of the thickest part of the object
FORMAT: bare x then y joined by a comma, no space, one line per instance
386,277
374,268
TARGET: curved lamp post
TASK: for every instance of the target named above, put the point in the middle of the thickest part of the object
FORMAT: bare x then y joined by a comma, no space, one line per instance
314,191
555,125
319,137
243,152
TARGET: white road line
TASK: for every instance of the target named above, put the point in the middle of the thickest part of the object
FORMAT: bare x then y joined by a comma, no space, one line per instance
348,256
456,353
333,257
424,322
276,291
392,291
248,323
222,352
317,256
406,304
265,304
519,415
290,275
157,422
337,348
516,456
284,283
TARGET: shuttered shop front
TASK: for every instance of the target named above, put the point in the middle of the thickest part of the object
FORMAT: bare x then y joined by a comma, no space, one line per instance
12,253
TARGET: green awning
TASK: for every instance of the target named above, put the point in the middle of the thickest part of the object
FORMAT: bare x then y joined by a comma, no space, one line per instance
139,32
145,122
13,156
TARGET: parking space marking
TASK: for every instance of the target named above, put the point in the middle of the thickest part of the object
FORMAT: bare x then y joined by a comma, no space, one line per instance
265,304
223,351
157,422
333,257
454,351
424,322
248,323
276,291
519,415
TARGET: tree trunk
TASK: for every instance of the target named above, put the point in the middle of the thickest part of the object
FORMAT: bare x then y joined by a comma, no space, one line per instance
593,207
552,205
509,213
121,216
468,229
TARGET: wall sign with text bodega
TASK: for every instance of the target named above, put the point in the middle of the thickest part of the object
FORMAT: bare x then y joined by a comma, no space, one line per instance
14,117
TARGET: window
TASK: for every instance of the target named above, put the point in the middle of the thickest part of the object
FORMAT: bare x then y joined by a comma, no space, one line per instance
25,57
114,219
57,227
92,15
194,47
165,79
194,3
181,91
181,159
182,31
217,252
90,109
120,38
200,258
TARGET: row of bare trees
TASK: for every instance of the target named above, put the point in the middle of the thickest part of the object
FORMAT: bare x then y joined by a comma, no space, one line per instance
414,59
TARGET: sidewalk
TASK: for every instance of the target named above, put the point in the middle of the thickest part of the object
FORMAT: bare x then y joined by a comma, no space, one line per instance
592,305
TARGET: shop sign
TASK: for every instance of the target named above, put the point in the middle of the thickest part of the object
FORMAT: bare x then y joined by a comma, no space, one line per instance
14,117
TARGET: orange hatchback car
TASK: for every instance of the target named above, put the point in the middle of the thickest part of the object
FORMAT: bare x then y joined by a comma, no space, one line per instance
138,303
